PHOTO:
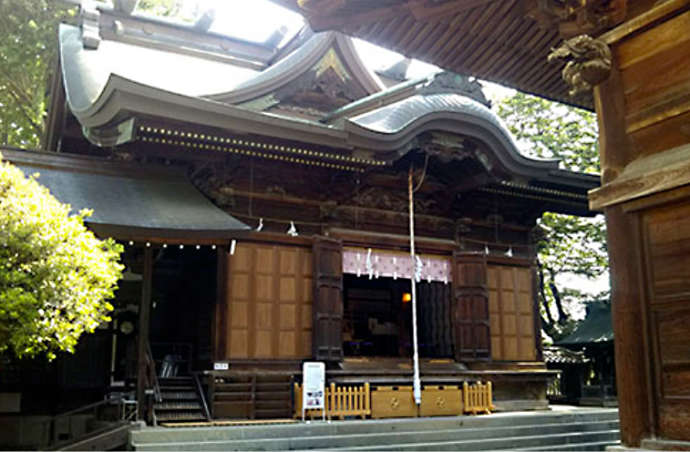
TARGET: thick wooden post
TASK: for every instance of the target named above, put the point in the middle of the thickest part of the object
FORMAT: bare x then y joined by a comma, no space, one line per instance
143,339
627,286
631,350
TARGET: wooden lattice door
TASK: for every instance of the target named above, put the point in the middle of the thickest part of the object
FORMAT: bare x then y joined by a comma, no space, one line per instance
327,342
471,312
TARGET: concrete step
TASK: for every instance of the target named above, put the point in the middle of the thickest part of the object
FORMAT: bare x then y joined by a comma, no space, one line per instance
354,427
600,445
544,442
559,441
371,440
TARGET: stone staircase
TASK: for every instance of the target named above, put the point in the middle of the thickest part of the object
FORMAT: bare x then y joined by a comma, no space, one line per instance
576,429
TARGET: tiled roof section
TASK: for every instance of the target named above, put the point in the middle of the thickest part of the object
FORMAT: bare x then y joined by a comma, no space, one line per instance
561,355
595,328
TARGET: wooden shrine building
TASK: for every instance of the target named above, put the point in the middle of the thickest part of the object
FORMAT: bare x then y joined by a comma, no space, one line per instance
628,60
306,146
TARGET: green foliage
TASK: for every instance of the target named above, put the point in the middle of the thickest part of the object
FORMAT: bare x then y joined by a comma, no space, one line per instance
27,51
552,130
161,8
566,245
56,277
178,10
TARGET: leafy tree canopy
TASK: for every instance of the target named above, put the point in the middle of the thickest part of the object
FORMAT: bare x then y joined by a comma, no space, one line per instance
566,245
56,277
27,49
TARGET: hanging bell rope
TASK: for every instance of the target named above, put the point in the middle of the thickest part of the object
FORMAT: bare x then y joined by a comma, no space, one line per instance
416,382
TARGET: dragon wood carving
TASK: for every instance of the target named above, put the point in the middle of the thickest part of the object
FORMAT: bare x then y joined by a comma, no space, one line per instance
589,62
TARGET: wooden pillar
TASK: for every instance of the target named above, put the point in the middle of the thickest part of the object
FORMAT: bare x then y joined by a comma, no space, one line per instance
538,346
627,286
471,312
143,339
220,323
627,301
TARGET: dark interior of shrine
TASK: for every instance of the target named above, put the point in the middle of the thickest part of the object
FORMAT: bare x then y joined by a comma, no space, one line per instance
183,299
377,318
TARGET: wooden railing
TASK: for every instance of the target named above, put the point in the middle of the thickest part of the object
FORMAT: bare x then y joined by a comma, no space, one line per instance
340,401
477,398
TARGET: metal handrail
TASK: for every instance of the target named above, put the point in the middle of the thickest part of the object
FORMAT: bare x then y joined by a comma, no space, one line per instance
88,407
202,395
91,406
153,378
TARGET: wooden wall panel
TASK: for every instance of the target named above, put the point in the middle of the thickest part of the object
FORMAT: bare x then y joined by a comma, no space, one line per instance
269,302
511,311
667,261
656,84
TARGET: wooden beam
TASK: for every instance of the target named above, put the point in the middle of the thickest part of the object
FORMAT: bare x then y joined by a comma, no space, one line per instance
338,21
425,10
144,321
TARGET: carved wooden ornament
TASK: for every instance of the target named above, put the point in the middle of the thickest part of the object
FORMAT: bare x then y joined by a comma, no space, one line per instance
589,62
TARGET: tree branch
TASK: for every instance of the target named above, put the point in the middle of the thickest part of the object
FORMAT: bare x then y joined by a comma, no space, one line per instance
542,293
562,316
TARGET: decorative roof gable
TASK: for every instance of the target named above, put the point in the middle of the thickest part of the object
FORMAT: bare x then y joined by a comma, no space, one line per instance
324,74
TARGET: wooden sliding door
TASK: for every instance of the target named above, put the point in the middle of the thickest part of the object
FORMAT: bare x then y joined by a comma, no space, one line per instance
269,300
511,309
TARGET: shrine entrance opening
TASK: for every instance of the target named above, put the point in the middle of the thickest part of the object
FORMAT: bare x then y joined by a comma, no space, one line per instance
183,298
377,318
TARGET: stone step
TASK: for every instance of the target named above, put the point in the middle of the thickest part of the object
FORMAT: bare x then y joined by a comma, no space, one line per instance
380,439
600,445
545,442
159,435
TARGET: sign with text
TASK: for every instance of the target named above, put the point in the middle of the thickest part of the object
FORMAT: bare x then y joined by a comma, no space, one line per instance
220,366
313,387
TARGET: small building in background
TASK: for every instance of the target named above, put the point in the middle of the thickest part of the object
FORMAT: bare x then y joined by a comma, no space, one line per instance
566,388
594,339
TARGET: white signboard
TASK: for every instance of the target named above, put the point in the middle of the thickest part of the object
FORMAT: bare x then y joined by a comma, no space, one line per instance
220,366
313,387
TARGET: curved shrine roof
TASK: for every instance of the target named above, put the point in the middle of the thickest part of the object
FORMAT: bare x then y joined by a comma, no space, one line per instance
118,83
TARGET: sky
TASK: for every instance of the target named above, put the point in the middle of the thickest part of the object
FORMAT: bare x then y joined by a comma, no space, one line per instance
256,20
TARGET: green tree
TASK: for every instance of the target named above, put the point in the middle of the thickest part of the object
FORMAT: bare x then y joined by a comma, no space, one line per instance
28,51
566,245
56,277
28,48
